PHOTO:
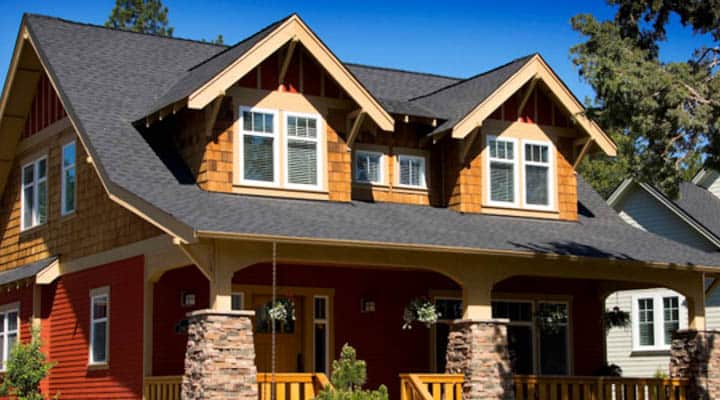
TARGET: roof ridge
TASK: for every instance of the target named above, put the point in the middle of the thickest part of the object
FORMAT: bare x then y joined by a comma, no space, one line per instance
110,28
391,69
228,48
526,57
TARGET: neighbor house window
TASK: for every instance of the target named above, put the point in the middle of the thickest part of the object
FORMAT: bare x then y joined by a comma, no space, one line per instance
656,317
369,167
99,325
34,193
411,171
501,162
538,177
258,142
303,165
69,179
8,331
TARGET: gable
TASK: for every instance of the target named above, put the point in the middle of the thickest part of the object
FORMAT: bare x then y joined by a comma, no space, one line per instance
46,108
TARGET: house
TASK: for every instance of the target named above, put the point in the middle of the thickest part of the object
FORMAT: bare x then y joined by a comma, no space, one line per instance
161,196
693,218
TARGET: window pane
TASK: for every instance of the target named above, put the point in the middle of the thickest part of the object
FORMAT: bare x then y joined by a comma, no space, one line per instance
28,204
99,342
320,347
302,127
536,185
2,323
502,182
269,123
646,324
42,168
69,190
12,321
412,171
514,311
302,162
520,349
68,155
99,307
258,158
553,351
367,167
236,301
320,308
449,309
258,122
28,174
42,202
671,314
247,121
12,341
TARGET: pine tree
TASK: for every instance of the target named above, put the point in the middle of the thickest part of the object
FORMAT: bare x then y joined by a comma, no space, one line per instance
147,16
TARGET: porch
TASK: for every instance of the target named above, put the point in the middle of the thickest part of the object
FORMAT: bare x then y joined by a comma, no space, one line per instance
336,301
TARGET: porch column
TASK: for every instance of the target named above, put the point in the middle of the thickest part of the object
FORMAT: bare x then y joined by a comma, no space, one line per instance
696,355
478,350
220,356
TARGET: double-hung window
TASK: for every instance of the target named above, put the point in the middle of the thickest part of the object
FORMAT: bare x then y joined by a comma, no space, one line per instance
69,179
655,317
303,150
538,177
8,331
99,325
411,171
258,141
502,159
34,193
369,167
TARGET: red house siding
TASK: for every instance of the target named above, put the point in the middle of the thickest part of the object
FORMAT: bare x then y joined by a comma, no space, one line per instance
22,294
66,306
46,108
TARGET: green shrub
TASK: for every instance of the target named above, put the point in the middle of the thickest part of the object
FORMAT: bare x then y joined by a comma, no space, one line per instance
348,376
25,368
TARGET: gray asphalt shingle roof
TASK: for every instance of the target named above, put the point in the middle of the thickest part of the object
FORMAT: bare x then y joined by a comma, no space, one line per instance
25,271
108,77
701,205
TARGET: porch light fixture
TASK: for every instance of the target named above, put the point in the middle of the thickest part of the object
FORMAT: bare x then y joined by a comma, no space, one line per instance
367,305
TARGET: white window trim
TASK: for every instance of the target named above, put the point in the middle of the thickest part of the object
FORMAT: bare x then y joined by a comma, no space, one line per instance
36,199
551,174
324,321
423,180
6,309
319,140
276,146
381,167
241,295
658,318
516,172
63,195
96,293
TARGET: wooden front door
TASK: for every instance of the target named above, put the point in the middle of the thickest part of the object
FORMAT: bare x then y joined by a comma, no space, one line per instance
289,337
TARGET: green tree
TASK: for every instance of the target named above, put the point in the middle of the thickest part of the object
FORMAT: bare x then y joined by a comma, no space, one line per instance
664,115
25,368
348,376
147,16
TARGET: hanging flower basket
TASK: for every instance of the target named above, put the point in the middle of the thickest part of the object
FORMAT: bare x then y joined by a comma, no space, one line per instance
420,310
282,310
616,318
552,320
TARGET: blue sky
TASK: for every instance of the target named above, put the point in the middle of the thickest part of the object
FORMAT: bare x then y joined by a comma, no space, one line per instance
460,38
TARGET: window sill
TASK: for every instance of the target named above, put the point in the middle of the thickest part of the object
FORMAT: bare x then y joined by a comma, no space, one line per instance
281,192
98,366
69,216
33,229
519,211
650,352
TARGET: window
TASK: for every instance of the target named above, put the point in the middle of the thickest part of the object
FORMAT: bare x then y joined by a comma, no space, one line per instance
501,164
450,309
369,167
655,317
34,193
237,301
520,333
320,333
303,165
258,146
67,201
411,171
538,179
8,331
99,325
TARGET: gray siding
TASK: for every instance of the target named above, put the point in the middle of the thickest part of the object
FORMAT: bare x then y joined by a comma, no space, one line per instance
641,210
619,343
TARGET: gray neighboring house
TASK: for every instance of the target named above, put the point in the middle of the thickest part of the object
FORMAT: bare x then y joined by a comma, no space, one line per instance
692,219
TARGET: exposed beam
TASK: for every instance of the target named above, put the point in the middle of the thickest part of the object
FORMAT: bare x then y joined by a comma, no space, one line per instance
355,130
526,95
581,141
286,61
354,114
211,116
583,153
715,283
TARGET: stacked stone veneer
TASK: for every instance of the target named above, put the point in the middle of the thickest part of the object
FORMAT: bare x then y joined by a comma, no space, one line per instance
220,356
478,349
696,355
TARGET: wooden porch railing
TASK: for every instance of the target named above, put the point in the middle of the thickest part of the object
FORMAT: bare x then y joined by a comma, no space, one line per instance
431,386
529,387
288,386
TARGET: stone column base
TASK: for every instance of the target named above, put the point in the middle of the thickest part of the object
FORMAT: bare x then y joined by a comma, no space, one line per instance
478,349
220,356
696,355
